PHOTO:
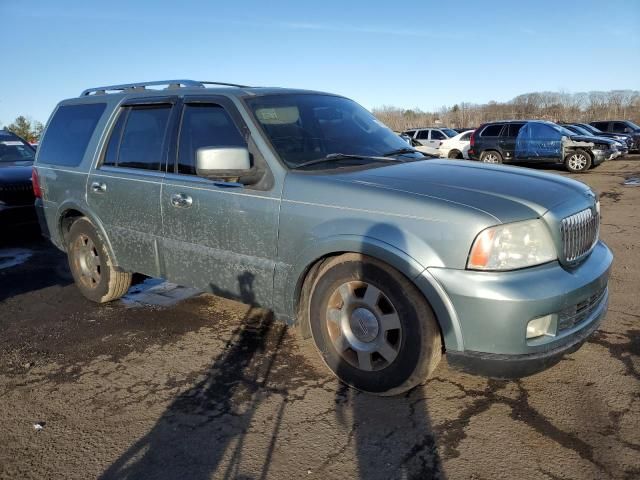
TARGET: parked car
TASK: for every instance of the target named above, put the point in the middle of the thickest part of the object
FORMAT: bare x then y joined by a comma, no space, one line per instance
465,129
456,147
619,145
537,141
620,137
16,192
303,203
431,137
621,126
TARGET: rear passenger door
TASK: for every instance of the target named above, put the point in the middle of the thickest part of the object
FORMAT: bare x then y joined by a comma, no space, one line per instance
220,236
507,140
422,137
124,189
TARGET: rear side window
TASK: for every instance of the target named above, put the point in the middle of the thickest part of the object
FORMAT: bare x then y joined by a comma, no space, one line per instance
512,129
466,137
137,138
68,134
423,135
437,135
411,133
619,127
601,126
204,126
491,131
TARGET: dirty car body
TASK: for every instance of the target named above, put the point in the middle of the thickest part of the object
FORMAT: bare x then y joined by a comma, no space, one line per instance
326,179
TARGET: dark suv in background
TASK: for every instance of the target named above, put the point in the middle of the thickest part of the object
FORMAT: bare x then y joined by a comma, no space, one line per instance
537,141
16,192
621,126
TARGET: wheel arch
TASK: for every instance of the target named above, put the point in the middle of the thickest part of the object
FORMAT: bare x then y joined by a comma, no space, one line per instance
301,280
68,213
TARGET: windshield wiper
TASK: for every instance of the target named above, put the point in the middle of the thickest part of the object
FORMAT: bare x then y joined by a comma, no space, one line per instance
343,156
400,151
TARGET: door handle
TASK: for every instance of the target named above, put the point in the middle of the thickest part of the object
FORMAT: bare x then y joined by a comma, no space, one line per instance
181,200
98,187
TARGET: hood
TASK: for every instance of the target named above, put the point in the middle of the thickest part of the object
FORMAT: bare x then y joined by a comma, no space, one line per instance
592,139
507,193
15,172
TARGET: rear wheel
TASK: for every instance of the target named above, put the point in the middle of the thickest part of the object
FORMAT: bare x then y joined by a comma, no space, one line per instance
92,267
578,161
373,328
491,156
455,154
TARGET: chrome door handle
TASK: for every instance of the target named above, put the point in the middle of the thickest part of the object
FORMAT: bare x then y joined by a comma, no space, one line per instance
181,200
98,187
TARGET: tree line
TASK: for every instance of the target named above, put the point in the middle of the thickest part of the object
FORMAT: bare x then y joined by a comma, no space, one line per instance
553,106
28,129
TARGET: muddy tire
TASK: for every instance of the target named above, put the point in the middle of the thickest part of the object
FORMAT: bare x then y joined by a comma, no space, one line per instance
91,265
372,327
491,156
578,161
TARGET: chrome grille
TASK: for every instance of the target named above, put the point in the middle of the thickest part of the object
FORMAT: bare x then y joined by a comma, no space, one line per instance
579,234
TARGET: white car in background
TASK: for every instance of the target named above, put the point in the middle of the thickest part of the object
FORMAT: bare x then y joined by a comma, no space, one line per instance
456,147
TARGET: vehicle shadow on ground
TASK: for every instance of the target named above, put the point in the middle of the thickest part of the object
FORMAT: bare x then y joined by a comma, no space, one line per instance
207,424
28,262
204,432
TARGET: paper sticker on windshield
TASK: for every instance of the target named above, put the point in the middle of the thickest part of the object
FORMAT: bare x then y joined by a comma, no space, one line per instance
12,143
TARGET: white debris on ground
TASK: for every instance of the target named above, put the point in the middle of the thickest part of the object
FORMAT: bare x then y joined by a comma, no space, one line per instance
10,257
158,292
38,426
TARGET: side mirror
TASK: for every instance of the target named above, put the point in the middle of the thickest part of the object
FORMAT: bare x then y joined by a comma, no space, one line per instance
222,162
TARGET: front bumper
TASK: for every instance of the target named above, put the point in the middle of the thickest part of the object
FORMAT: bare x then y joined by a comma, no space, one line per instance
493,309
600,156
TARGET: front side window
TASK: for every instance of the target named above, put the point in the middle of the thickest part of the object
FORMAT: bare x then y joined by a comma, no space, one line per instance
68,134
204,125
308,127
137,138
437,135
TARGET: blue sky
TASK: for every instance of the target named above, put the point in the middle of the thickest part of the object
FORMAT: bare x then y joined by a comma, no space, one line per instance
409,54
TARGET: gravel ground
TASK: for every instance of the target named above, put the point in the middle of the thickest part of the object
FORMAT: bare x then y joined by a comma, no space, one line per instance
209,388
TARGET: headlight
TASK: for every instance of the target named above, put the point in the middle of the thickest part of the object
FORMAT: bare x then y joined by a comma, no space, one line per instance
512,246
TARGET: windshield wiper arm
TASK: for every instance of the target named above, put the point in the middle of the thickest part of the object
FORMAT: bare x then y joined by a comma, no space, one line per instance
400,151
343,156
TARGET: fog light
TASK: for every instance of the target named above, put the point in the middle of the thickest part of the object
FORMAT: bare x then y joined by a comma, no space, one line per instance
542,326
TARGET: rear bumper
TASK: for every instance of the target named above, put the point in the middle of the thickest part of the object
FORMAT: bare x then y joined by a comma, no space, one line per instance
17,215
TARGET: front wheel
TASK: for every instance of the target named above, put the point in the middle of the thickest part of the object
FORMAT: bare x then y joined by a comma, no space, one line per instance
578,161
491,156
91,265
372,327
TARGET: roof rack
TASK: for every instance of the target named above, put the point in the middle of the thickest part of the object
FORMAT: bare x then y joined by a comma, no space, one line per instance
141,86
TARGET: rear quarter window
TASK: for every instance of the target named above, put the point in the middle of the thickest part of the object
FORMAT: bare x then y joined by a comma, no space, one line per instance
491,131
68,134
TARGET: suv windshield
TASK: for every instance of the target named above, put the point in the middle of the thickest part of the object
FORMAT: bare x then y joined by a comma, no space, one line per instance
13,149
307,127
562,130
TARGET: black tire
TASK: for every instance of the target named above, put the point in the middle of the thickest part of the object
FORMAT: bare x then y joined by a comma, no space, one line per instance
406,326
91,265
490,156
455,154
577,161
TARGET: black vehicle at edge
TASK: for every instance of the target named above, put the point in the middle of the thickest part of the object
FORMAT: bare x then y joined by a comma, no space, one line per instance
499,142
618,137
578,129
16,191
621,127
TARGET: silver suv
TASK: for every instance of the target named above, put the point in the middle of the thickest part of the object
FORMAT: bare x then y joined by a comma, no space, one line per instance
304,203
430,137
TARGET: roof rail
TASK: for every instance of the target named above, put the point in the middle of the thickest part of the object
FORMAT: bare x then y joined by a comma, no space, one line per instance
140,86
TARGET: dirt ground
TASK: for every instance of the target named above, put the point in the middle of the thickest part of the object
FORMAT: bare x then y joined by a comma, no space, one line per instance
209,388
